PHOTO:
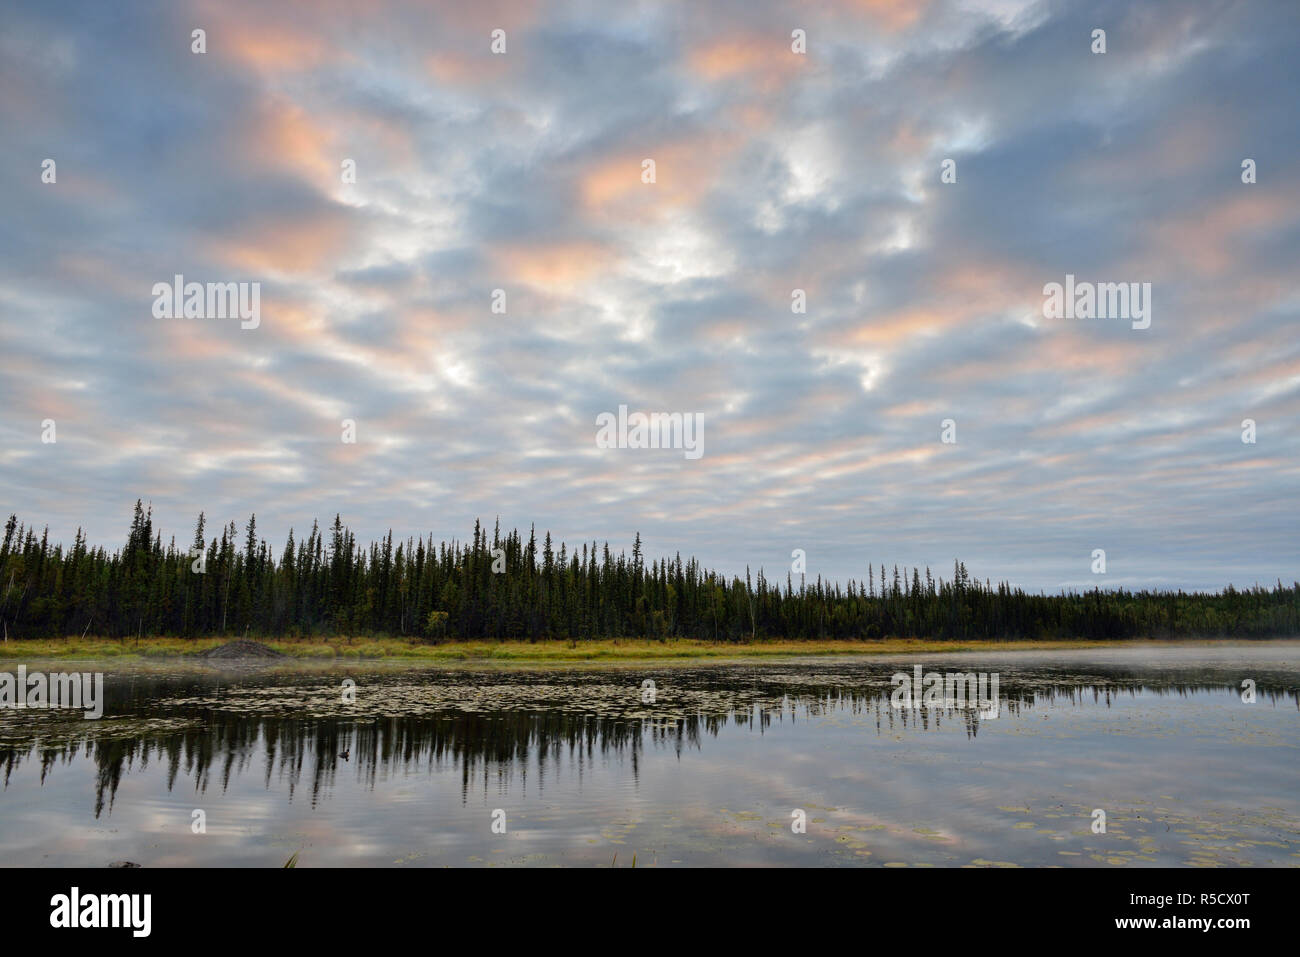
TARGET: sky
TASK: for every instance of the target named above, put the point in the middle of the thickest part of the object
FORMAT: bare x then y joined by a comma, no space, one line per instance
381,172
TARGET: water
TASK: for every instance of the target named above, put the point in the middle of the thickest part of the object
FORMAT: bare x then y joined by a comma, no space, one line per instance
711,773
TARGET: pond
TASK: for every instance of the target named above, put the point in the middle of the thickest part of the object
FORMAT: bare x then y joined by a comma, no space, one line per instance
1119,757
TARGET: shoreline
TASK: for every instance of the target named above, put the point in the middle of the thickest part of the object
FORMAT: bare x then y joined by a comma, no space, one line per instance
559,650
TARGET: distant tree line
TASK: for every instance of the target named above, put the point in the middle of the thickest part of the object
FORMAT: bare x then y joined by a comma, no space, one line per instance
501,586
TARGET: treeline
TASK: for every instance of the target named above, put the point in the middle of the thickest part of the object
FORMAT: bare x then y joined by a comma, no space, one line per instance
501,586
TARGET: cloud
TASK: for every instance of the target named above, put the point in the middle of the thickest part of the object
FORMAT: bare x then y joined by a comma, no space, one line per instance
774,172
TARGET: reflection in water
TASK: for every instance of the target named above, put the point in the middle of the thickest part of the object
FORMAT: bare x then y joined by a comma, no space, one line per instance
513,733
215,725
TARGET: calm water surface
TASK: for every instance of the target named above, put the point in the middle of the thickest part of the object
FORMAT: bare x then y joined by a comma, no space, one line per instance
587,774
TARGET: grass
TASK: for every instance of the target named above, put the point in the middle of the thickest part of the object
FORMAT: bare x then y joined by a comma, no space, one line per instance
360,648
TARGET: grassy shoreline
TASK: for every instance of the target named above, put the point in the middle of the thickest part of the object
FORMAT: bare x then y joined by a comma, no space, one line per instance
630,649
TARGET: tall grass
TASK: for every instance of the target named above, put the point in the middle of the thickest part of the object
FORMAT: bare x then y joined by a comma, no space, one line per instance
559,650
